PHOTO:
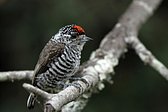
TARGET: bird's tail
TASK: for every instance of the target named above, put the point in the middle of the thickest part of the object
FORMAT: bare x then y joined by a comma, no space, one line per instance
31,101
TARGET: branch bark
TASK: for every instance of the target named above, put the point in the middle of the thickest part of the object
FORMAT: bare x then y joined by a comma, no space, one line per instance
16,75
102,61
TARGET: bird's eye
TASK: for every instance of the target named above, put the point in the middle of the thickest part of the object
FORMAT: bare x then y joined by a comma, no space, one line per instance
74,34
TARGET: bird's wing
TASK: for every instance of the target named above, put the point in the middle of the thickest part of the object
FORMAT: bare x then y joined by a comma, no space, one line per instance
51,51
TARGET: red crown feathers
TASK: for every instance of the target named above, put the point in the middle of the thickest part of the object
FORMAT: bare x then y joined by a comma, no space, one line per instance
79,29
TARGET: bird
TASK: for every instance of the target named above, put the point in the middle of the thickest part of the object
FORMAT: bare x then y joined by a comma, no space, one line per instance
58,61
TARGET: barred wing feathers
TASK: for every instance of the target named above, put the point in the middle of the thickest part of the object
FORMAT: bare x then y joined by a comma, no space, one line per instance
51,51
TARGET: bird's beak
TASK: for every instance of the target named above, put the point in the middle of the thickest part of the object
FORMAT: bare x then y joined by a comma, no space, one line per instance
85,39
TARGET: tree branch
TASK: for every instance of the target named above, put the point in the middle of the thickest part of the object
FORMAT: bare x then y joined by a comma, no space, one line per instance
147,57
103,60
141,10
33,89
16,75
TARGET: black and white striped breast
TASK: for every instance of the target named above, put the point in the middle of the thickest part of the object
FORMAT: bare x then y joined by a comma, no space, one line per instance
60,69
66,65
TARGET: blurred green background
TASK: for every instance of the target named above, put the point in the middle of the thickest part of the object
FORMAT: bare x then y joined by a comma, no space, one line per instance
26,26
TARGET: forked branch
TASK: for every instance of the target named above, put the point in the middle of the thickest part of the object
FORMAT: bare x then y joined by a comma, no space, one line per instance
104,59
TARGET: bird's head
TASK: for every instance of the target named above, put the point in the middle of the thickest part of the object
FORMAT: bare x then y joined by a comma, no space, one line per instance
72,34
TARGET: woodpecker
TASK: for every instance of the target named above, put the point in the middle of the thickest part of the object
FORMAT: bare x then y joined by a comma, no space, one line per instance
58,61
